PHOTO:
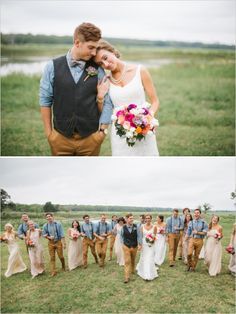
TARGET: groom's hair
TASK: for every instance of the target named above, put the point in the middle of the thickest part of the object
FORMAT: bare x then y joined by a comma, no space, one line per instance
129,215
87,32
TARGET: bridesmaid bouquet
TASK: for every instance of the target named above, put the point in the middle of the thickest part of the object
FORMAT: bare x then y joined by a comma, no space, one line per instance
150,239
30,243
217,236
134,123
75,235
161,230
230,249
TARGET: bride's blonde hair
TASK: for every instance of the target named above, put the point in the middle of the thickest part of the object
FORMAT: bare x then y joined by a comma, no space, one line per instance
103,44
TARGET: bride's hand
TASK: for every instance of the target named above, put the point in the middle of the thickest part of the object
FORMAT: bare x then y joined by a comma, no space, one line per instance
103,87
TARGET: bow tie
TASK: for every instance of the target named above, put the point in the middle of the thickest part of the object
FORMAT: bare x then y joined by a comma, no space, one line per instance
80,63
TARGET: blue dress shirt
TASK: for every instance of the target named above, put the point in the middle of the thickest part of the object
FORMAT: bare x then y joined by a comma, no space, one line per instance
173,222
198,224
139,234
88,229
47,83
23,228
53,229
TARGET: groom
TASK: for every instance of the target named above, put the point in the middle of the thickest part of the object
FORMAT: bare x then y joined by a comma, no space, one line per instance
68,92
132,242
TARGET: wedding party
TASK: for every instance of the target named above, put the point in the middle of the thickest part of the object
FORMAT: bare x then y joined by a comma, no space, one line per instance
126,238
117,162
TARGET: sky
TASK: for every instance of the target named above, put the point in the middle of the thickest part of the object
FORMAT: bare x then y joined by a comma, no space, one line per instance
158,182
208,21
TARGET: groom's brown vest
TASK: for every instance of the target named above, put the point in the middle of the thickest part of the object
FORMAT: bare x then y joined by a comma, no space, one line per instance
75,108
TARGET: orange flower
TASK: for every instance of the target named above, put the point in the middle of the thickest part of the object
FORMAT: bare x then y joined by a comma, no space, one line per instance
138,130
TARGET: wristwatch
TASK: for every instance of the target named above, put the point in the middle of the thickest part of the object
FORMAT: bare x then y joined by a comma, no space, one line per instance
105,131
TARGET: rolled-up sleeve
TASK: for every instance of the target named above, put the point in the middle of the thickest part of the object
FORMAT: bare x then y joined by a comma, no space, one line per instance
106,114
46,86
61,231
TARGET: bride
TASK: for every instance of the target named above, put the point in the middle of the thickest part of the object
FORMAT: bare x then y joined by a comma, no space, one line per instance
146,266
126,85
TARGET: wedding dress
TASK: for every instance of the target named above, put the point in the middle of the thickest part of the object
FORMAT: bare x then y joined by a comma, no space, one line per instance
146,266
131,93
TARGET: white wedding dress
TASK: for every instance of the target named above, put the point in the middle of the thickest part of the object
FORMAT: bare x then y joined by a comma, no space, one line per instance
131,93
146,266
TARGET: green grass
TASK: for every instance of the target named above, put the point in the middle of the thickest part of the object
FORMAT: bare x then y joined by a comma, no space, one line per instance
96,290
196,114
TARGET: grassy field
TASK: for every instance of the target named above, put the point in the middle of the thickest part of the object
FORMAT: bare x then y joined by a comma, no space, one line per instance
96,290
196,94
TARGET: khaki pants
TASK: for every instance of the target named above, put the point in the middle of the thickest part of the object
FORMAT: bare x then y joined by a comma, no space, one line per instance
53,248
129,257
195,245
75,145
112,241
180,245
101,248
86,244
173,240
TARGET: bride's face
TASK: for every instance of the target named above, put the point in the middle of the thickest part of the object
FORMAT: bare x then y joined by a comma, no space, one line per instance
106,59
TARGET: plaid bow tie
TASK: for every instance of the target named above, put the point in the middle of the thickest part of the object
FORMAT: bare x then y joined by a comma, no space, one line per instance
80,63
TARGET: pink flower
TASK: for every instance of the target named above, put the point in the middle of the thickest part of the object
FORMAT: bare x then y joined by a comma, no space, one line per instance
131,106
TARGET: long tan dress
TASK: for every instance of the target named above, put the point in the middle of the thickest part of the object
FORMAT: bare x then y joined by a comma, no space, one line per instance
213,253
15,262
75,251
118,247
232,262
36,254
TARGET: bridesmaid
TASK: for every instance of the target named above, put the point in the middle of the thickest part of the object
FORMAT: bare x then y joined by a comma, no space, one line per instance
118,244
75,251
35,250
187,219
15,262
213,247
160,243
232,262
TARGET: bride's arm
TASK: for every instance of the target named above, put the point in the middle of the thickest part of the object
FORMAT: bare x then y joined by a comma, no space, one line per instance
150,89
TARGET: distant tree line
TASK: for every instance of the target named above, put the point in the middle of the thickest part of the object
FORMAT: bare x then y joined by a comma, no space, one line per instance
20,39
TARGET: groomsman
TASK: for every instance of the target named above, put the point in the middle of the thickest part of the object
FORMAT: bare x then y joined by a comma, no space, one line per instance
174,225
87,231
113,235
141,221
101,233
180,246
53,231
197,230
23,227
131,239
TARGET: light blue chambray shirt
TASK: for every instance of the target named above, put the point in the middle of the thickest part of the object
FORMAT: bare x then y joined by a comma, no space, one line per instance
47,83
102,228
53,229
198,224
88,229
23,228
173,222
139,234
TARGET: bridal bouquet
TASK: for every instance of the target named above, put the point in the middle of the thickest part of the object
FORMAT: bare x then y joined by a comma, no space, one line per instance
134,123
150,239
75,235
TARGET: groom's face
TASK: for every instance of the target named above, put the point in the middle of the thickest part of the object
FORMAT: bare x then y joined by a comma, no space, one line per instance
86,50
130,220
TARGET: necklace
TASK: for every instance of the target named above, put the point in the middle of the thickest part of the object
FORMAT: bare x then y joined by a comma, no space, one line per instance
117,81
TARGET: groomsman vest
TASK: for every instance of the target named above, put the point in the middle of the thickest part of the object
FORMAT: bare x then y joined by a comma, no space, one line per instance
75,108
130,239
